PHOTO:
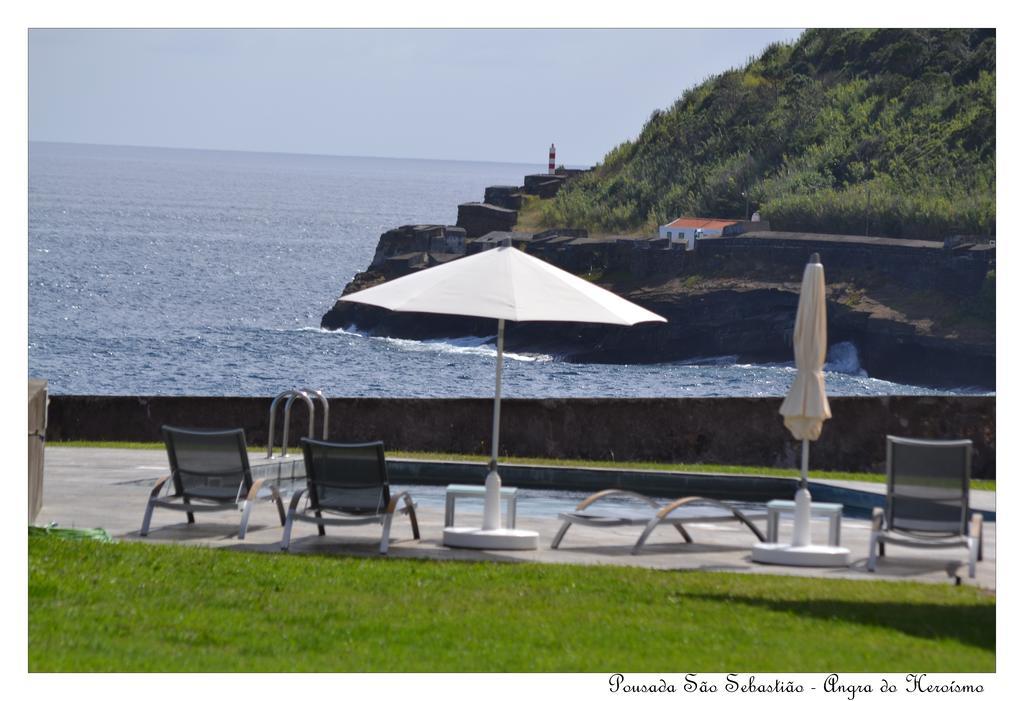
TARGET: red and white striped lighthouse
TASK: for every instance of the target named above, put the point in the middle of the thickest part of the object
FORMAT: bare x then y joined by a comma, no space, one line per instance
551,160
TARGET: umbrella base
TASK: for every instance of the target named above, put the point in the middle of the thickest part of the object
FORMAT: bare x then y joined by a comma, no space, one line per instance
805,556
496,539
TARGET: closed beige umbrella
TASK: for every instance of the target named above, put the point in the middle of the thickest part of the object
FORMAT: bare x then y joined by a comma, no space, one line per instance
804,411
806,406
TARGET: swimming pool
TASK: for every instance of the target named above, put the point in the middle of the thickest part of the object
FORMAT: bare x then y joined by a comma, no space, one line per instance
548,503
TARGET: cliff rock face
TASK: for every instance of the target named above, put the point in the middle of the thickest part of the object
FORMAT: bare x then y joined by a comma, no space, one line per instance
755,325
734,295
507,196
544,185
478,218
419,238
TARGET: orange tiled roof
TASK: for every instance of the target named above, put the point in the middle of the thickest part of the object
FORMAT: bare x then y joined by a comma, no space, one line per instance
698,223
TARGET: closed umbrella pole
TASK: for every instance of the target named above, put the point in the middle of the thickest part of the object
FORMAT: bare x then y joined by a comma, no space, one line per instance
802,499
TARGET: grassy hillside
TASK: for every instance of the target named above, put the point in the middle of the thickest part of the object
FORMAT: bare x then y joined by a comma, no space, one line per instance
889,130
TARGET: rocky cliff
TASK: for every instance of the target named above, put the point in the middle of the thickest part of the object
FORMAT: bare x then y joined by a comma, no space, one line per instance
753,324
919,312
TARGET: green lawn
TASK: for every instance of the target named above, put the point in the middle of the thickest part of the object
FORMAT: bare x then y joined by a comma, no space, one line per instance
97,606
988,485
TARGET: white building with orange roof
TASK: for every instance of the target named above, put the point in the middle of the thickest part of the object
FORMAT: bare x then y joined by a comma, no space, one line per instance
689,229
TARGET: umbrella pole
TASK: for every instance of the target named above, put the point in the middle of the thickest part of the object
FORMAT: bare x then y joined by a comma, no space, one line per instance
804,458
492,497
802,504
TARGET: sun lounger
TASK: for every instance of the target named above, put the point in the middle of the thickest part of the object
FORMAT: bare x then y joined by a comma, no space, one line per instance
675,514
927,502
350,482
209,472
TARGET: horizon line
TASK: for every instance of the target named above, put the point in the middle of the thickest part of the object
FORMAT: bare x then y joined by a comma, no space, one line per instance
539,163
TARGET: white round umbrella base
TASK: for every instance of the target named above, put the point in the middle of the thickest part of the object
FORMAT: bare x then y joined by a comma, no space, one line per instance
806,556
496,539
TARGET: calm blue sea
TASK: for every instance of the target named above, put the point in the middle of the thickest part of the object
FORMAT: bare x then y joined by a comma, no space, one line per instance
170,272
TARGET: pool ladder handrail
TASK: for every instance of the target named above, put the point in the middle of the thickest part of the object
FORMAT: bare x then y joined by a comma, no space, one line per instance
292,395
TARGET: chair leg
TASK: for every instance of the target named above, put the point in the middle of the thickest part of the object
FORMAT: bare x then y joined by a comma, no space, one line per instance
319,526
683,532
191,516
651,525
873,547
286,536
144,531
386,534
414,523
561,534
246,510
977,531
877,526
974,548
280,504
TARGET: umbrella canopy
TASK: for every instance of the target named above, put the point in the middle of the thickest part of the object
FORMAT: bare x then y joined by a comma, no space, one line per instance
503,283
806,406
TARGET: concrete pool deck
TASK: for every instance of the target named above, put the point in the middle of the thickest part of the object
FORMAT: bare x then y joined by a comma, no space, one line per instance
108,488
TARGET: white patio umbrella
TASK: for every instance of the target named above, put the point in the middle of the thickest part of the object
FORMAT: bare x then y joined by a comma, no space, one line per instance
505,284
805,409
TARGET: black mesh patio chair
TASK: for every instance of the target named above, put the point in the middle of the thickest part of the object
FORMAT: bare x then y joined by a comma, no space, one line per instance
349,482
927,499
209,472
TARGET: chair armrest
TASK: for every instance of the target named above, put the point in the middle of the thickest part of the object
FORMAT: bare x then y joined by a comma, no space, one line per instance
975,525
254,490
155,492
393,504
615,492
877,518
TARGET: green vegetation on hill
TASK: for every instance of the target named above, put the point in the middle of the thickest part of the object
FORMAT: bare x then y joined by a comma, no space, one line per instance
886,129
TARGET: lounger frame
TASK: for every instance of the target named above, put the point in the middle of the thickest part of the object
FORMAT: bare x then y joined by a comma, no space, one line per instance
663,516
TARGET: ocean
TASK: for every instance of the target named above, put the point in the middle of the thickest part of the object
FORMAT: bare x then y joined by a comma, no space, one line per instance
186,272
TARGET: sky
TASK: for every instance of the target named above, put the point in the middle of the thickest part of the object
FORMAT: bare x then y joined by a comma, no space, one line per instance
472,94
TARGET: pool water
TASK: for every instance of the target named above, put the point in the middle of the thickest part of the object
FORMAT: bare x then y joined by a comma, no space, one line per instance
548,503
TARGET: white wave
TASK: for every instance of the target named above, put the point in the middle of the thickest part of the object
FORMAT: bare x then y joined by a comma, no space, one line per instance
711,360
321,329
468,345
843,358
463,345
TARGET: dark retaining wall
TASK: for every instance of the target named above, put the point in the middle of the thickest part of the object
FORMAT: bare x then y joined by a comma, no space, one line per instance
738,431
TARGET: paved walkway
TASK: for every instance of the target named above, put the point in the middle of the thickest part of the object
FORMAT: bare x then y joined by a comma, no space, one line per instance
108,488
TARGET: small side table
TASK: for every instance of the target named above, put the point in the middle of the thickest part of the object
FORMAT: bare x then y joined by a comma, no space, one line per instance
834,512
474,491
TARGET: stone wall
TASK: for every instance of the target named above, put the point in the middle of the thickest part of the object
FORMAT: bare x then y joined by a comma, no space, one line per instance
738,431
922,264
926,265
